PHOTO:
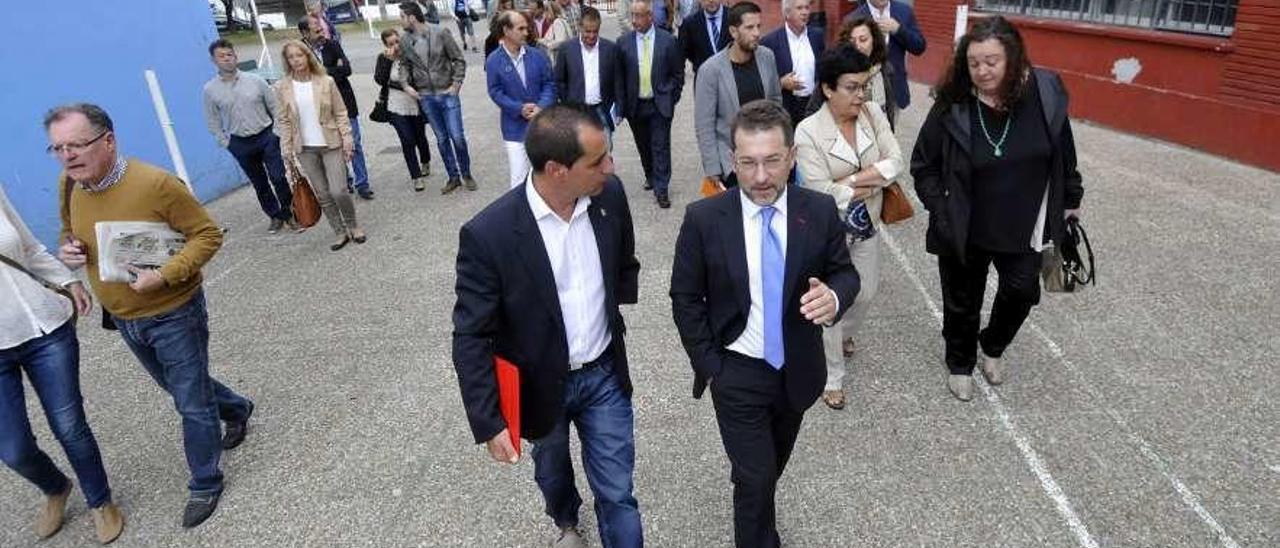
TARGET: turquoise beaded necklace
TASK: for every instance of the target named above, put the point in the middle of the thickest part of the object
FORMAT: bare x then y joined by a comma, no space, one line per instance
997,145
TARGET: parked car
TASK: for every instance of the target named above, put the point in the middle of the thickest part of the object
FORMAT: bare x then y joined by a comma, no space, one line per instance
341,11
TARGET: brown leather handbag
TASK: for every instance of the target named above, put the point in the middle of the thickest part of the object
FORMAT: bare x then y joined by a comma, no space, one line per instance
306,208
895,207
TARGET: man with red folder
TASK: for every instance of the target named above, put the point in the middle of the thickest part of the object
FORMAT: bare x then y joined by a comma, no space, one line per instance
541,272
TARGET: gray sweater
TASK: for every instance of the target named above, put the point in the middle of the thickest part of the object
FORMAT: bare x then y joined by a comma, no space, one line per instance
243,107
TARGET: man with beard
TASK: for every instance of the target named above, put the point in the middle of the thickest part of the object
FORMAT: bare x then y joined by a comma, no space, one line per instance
737,75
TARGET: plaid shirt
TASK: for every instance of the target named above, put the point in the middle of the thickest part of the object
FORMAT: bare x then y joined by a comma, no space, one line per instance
117,173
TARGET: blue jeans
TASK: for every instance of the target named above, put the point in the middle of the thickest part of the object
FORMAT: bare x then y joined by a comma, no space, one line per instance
259,157
445,115
174,349
359,171
52,363
602,413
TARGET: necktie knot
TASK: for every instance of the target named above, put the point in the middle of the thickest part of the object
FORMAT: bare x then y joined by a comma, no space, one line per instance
766,216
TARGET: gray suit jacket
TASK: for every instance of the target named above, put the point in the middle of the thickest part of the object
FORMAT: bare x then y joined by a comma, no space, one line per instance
716,103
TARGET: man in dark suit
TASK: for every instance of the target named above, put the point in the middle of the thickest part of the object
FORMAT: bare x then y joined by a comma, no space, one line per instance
796,49
540,275
339,67
898,23
703,33
589,70
654,77
519,82
758,271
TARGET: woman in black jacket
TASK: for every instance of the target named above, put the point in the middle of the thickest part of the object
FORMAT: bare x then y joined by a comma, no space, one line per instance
995,165
402,105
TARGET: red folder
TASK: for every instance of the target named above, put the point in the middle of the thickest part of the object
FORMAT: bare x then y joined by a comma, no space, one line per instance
509,397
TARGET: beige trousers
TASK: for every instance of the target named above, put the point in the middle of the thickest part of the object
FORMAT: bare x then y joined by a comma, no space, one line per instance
327,171
866,258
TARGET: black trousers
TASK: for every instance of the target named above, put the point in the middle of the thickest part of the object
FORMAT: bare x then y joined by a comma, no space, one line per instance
653,140
795,106
963,285
759,429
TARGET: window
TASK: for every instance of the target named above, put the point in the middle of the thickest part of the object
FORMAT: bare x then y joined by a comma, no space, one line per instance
1192,16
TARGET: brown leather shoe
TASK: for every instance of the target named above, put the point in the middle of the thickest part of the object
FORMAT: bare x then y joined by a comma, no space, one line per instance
52,514
109,522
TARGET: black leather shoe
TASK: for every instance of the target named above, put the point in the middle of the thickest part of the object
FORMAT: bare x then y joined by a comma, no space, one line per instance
340,243
233,433
365,193
664,202
198,509
648,185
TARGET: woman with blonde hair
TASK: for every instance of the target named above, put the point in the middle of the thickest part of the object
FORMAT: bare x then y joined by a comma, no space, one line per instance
316,134
847,149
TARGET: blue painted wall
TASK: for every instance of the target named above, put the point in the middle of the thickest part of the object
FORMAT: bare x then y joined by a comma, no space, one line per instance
96,51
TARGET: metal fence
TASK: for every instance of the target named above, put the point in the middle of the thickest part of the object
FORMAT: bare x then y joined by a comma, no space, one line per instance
1217,17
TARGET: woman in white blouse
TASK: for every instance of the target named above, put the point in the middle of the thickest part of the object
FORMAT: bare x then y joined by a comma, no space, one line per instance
316,133
848,150
38,336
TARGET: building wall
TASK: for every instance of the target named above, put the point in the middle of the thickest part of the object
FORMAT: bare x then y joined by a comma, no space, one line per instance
1218,94
95,51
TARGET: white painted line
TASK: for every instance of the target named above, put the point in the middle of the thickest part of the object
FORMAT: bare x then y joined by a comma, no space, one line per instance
1029,454
1188,497
1276,468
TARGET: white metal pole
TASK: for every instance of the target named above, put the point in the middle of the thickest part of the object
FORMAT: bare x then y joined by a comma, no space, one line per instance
962,21
166,124
367,19
264,57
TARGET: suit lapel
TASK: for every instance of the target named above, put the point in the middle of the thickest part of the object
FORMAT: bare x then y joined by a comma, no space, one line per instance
734,245
533,253
576,51
797,239
784,52
602,225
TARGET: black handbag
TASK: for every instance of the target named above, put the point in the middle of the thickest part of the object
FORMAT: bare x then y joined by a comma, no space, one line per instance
1064,269
380,114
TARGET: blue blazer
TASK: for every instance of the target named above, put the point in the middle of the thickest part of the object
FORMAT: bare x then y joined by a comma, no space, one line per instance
907,39
781,46
510,94
667,75
507,305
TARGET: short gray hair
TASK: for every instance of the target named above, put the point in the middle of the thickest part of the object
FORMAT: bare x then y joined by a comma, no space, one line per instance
788,4
98,117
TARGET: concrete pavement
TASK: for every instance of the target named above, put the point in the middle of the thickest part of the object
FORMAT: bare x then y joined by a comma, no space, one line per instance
1142,412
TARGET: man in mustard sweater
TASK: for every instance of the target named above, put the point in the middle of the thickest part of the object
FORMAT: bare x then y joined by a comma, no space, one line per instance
161,313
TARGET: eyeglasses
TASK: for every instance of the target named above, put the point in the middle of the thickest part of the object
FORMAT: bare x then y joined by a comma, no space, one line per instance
772,164
74,148
863,90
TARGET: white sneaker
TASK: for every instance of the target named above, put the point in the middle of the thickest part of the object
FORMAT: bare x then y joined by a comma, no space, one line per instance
993,369
961,386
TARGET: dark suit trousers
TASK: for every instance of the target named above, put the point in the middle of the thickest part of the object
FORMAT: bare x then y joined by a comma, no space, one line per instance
795,106
653,138
759,429
963,285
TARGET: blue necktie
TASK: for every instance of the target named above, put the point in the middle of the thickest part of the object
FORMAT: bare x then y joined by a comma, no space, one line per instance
771,271
715,32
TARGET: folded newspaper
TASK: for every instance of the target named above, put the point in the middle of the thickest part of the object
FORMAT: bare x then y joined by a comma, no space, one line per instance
140,244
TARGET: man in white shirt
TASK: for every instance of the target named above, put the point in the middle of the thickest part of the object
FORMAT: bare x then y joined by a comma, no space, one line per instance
757,273
589,70
540,275
796,49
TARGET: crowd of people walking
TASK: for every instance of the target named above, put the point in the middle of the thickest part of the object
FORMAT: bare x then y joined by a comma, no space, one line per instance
773,273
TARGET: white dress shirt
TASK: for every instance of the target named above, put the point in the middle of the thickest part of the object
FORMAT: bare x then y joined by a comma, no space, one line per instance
803,61
880,15
575,262
751,341
27,309
591,73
